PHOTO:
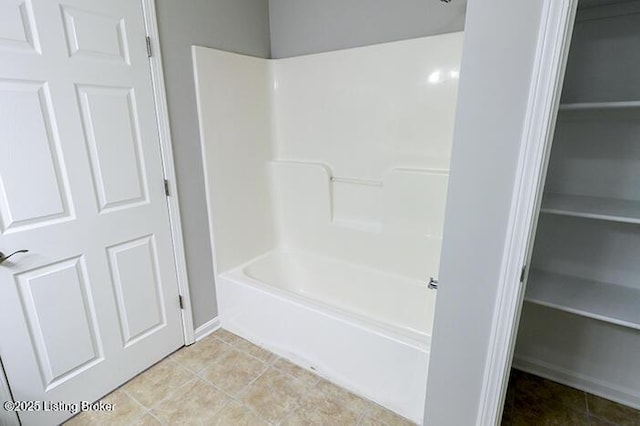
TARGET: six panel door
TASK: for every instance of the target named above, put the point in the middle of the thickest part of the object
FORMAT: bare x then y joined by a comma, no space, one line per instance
95,301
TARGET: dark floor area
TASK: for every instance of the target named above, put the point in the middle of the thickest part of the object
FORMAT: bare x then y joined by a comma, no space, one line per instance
532,400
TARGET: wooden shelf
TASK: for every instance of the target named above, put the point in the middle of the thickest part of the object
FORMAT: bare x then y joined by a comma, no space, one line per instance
599,106
606,302
611,209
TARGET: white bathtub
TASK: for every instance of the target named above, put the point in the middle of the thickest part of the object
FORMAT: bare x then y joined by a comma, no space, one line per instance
364,329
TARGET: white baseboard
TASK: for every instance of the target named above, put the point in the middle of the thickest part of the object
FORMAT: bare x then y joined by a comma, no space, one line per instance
207,328
576,380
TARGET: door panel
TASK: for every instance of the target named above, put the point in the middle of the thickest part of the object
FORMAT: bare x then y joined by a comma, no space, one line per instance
95,35
112,132
16,31
135,274
42,292
26,106
95,301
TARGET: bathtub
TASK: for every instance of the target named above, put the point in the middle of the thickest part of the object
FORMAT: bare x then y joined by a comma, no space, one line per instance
364,329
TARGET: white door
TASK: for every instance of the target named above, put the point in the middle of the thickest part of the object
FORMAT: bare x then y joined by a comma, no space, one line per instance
95,301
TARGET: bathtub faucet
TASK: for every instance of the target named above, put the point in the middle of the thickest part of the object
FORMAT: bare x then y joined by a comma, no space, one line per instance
433,283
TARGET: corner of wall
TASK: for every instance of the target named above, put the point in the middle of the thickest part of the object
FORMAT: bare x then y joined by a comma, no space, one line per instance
269,29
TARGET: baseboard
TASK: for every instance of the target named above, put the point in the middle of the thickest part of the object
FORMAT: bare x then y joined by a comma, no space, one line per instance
207,328
576,380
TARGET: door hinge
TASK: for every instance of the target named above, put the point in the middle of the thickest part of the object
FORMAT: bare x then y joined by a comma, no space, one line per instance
148,40
523,272
180,301
166,188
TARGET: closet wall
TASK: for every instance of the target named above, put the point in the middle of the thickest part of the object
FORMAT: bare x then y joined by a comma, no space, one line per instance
581,322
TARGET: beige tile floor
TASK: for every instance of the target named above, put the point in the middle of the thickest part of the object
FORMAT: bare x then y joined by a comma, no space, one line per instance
226,380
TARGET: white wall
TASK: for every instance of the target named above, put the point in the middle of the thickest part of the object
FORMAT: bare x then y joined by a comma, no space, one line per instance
239,26
234,109
311,26
499,49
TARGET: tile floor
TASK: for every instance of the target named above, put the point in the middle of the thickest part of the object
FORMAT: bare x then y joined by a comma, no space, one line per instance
532,400
226,380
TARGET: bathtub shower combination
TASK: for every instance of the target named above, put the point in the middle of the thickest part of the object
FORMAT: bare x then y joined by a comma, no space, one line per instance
326,181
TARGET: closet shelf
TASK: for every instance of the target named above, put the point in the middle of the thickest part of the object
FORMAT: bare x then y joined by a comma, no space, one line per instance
605,302
595,106
611,209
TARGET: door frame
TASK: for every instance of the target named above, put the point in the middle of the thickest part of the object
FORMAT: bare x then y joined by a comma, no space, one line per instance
168,164
554,39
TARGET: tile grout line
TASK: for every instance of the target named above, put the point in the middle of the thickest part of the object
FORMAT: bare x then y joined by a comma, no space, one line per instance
297,403
233,346
265,368
126,392
154,416
170,395
237,397
272,363
360,414
302,385
363,413
195,378
145,409
240,345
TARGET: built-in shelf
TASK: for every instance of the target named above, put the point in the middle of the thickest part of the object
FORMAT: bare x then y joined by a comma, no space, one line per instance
606,302
599,106
611,209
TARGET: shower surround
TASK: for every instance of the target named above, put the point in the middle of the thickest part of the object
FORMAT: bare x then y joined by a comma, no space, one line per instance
326,182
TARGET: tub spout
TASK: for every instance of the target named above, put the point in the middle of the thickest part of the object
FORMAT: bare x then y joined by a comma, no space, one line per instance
433,283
